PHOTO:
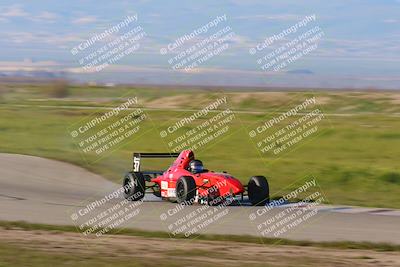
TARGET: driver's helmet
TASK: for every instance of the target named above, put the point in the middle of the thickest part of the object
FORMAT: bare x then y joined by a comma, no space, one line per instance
196,166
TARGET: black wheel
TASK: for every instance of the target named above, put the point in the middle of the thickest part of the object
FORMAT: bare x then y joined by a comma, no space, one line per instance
258,190
185,190
134,186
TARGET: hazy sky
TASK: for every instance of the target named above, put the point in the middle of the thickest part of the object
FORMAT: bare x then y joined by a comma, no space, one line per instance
360,46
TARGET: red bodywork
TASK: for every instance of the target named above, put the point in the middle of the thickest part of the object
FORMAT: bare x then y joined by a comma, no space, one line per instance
208,182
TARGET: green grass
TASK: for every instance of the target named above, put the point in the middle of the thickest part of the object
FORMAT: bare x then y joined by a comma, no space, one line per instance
353,158
15,255
208,237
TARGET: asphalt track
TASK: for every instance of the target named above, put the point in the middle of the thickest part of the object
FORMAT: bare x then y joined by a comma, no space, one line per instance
40,190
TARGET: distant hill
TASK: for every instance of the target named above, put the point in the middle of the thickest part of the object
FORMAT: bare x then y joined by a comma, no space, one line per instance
300,71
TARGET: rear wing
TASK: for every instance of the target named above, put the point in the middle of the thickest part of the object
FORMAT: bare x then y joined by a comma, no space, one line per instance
138,156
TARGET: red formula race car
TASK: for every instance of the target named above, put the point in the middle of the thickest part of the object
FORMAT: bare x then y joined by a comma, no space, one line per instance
186,181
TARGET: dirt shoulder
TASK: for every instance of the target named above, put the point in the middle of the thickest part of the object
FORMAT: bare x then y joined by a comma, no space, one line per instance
173,252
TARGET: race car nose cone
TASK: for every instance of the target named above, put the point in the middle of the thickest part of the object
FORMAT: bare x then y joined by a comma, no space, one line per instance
225,183
235,185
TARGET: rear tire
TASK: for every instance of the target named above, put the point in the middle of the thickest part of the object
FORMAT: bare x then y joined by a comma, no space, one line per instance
185,190
258,190
134,186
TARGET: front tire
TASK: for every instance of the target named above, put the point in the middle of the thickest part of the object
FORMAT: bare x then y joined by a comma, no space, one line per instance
258,190
185,190
134,186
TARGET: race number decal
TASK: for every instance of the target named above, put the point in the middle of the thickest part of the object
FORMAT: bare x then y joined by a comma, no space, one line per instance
164,185
171,192
136,164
